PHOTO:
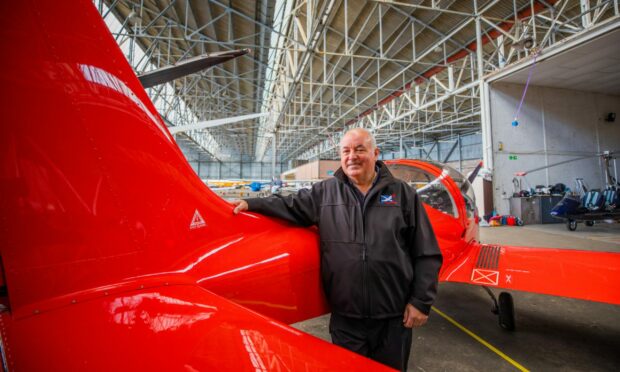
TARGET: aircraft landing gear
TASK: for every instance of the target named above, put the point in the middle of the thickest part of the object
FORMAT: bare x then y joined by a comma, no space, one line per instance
571,225
504,308
589,223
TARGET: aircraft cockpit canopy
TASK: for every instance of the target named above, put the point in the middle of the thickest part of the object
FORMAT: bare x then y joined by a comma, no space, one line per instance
467,191
429,187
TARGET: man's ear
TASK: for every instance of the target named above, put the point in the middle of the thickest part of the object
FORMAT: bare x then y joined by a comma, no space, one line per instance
376,152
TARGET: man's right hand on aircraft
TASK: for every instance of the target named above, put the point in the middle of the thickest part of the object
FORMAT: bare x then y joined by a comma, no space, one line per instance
240,206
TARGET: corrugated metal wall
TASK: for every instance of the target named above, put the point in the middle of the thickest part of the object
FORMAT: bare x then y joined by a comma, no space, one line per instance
469,148
234,170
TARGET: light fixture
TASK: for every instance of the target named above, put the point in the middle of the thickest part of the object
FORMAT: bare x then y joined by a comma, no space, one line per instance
526,43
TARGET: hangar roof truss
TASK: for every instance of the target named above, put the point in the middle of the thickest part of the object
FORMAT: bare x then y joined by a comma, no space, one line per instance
409,71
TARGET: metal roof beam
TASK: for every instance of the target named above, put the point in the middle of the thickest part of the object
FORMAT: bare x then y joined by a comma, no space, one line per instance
419,57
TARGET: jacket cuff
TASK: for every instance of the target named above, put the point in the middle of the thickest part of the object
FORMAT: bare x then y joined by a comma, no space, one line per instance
253,203
424,308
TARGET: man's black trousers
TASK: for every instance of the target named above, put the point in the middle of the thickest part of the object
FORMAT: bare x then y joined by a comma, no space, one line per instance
385,340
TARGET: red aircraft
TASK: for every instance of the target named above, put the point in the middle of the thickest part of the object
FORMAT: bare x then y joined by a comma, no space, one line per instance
114,255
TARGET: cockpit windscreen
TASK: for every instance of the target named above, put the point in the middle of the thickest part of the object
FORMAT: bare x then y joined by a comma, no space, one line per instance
430,188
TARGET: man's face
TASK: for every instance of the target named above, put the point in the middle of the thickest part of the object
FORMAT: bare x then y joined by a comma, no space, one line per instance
357,157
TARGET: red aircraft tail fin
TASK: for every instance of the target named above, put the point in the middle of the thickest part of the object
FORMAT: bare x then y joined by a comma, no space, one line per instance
95,191
93,184
587,275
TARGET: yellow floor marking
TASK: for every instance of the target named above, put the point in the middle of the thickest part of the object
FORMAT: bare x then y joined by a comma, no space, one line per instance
477,338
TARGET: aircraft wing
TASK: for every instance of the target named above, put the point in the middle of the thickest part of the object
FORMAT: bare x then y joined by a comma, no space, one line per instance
587,275
173,327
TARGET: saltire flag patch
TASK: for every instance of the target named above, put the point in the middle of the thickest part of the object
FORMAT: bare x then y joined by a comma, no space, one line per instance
388,199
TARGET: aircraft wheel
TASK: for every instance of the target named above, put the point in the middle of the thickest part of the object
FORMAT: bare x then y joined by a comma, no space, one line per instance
571,225
506,311
589,223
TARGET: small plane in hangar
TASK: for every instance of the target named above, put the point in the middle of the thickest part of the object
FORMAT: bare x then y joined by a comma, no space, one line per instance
100,270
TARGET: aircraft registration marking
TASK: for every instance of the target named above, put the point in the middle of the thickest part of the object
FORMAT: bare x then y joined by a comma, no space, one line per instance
487,277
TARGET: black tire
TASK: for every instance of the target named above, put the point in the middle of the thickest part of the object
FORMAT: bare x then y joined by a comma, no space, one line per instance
571,225
506,311
589,223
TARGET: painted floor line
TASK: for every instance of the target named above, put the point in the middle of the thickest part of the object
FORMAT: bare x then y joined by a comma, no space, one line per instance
483,342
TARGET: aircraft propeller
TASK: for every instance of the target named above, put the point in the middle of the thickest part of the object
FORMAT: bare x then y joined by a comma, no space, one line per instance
187,67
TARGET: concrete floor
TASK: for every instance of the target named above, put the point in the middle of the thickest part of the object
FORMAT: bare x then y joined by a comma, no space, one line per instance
552,333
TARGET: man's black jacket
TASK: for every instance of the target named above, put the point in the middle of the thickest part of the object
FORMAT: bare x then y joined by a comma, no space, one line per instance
375,258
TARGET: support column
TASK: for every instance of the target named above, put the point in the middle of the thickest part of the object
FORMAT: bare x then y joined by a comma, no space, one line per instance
199,165
501,54
274,154
483,89
586,19
485,124
460,153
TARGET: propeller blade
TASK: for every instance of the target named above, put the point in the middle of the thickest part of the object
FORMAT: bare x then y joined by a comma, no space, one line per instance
215,122
187,67
523,173
473,174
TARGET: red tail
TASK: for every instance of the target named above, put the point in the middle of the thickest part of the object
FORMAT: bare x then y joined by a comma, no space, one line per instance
97,195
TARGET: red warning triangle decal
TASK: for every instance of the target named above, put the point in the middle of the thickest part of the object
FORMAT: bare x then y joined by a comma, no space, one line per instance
197,221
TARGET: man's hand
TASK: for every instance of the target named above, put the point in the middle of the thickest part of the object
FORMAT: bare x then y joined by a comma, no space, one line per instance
240,206
413,317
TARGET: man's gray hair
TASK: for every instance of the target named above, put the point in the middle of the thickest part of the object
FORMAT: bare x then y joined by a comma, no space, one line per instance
373,141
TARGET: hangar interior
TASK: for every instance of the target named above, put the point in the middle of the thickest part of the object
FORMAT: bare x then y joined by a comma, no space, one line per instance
432,80
564,117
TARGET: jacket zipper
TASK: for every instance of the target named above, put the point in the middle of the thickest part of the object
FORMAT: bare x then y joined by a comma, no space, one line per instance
366,296
366,309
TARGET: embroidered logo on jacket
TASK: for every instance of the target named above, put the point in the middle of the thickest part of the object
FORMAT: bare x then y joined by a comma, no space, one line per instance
388,199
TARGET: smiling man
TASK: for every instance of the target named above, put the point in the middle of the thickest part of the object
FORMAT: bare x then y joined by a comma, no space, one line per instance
379,257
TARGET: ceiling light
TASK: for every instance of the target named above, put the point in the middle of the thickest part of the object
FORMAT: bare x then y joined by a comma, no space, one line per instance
526,43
